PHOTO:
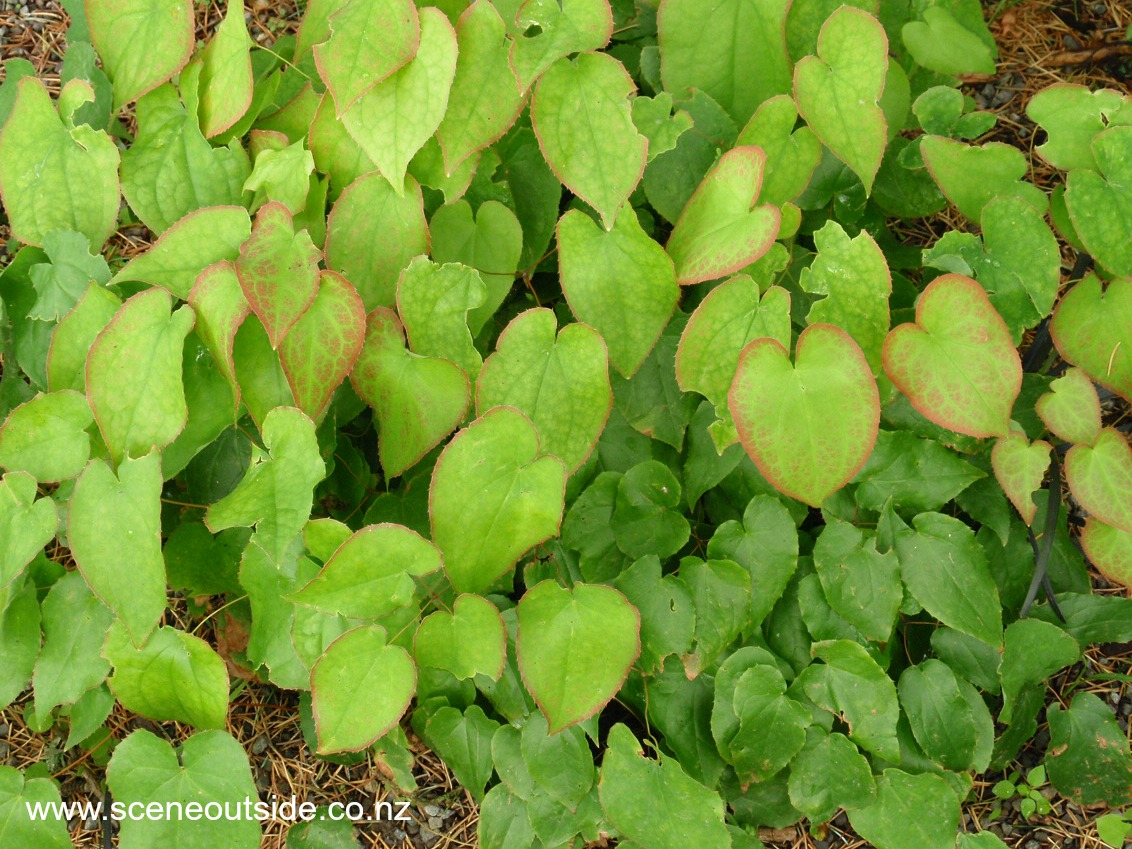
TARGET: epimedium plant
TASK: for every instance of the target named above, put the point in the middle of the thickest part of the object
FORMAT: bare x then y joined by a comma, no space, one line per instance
552,373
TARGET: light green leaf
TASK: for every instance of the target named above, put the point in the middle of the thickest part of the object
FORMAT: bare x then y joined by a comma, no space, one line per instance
368,42
334,149
119,30
781,411
276,493
395,117
1033,651
631,315
973,176
417,400
1086,336
575,648
1072,116
220,308
956,363
360,688
838,91
945,569
493,496
733,50
653,118
1101,204
861,584
560,382
794,152
560,764
547,30
46,437
226,73
433,301
469,641
503,822
281,173
1019,468
1110,550
74,628
829,773
74,335
61,283
942,44
195,242
656,804
910,812
1100,478
1071,409
42,161
19,640
174,676
208,769
582,117
262,383
720,230
115,535
464,741
17,828
171,169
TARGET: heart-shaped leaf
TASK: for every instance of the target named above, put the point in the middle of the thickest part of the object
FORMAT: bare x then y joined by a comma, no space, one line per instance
721,230
469,641
838,91
493,496
1072,116
46,437
417,400
119,30
581,114
226,74
323,345
1100,477
394,119
1071,409
631,315
1101,204
561,383
1110,550
575,648
73,337
957,363
360,688
278,271
794,152
433,301
1020,467
546,30
27,524
221,308
368,42
1084,332
973,176
782,411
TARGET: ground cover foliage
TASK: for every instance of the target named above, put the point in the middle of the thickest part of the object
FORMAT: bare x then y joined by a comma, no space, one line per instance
548,375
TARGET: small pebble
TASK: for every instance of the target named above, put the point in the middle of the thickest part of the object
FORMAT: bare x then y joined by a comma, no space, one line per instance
1007,829
429,836
90,824
1069,42
435,823
1100,9
432,810
4,749
259,745
1033,844
400,835
4,729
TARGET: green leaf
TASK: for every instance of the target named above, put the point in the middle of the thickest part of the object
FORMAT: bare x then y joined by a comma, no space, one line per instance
191,245
910,812
1071,409
134,375
653,118
948,717
575,648
464,741
1101,204
646,516
1033,651
956,363
17,828
1088,758
565,393
772,726
781,411
491,243
371,573
171,169
73,336
46,437
668,614
395,117
417,400
851,685
1100,478
469,641
829,773
360,688
226,74
41,154
861,584
220,307
1072,116
794,152
535,191
321,348
656,804
853,276
276,493
720,230
262,383
372,233
434,301
559,764
581,114
942,44
1109,549
174,676
1019,468
322,832
588,531
115,534
334,149
281,173
945,569
208,769
61,283
74,628
278,271
973,176
142,44
849,68
547,30
721,592
1086,336
19,639
493,497
918,474
485,98
503,822
368,42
